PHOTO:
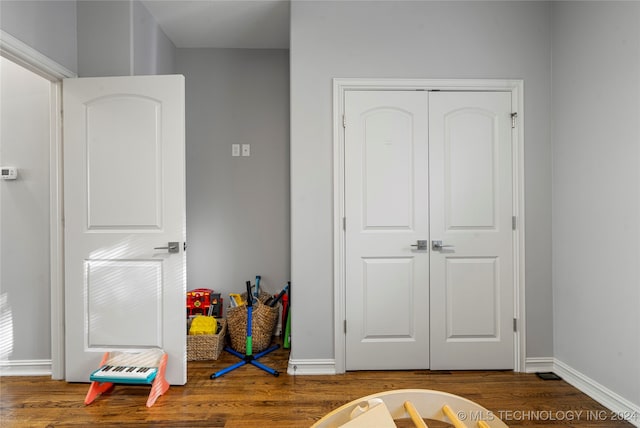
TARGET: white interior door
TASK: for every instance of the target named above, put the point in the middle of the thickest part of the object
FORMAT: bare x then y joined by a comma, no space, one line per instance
124,188
386,206
430,166
471,214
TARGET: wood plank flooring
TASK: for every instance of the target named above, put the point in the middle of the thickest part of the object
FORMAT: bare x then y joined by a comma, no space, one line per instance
249,397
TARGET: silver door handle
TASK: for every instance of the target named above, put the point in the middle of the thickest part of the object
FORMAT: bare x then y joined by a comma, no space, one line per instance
173,247
437,245
421,244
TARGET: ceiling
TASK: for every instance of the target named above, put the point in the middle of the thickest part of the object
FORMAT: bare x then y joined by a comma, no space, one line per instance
257,24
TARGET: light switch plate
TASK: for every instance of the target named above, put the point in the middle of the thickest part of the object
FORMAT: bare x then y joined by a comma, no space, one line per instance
235,150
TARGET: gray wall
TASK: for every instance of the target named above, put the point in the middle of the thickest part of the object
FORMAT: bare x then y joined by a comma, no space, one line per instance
47,26
121,38
92,38
105,34
595,180
237,207
596,191
153,52
50,28
412,40
24,215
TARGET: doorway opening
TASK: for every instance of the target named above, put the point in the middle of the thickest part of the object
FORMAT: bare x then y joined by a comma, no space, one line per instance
24,56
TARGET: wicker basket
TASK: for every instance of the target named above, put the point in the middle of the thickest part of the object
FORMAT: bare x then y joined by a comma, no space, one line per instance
264,321
263,296
206,346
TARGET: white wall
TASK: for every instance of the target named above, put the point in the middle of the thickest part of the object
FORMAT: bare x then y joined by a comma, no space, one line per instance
412,40
47,26
25,314
237,207
596,191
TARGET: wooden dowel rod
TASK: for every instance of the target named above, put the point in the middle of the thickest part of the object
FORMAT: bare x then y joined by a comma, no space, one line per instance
452,417
415,416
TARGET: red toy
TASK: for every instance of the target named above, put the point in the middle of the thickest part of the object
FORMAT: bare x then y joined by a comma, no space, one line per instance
198,301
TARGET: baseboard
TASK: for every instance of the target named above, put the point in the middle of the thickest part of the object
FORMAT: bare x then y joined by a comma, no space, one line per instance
312,367
538,364
620,407
25,368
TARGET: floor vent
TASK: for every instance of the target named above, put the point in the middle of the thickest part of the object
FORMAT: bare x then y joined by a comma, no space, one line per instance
548,376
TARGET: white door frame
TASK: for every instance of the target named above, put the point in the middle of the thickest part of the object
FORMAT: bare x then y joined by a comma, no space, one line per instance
29,58
340,86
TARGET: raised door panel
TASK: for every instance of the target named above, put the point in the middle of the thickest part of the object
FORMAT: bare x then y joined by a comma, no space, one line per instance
472,287
378,274
470,169
387,169
124,303
124,163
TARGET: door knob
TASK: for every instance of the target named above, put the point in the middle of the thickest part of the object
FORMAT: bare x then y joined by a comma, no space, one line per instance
437,245
421,244
173,247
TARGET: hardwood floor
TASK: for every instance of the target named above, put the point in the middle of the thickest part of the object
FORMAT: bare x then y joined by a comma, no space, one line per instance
249,397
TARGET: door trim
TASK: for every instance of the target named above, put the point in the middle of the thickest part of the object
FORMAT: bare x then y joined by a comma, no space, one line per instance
340,86
29,58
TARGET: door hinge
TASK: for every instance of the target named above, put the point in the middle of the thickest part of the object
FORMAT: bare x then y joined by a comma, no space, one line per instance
515,324
344,121
345,326
514,117
344,223
514,222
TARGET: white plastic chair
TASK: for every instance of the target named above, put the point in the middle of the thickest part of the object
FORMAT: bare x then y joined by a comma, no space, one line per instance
423,404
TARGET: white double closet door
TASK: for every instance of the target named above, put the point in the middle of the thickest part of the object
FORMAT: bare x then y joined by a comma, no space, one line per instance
428,231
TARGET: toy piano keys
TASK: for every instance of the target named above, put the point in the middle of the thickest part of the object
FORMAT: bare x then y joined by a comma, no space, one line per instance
124,374
144,368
